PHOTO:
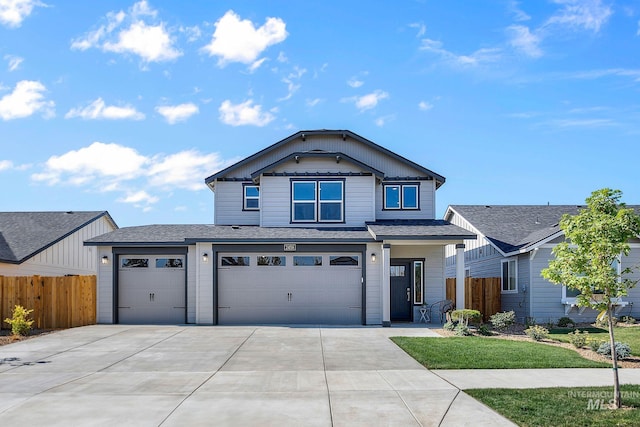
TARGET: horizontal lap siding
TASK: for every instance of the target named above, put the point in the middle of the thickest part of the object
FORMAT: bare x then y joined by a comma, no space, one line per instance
519,301
427,204
374,286
105,286
228,202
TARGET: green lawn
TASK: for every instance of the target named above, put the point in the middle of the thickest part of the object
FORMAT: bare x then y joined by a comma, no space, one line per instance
489,353
575,406
630,335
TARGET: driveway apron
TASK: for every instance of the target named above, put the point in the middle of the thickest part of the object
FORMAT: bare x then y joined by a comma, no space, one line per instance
245,375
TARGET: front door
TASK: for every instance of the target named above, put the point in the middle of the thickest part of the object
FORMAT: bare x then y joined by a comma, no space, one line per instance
400,276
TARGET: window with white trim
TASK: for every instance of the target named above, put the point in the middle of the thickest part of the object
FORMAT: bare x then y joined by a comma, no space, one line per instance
509,276
418,282
317,201
401,196
251,198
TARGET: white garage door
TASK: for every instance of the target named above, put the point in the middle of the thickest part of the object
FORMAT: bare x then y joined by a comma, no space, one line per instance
286,288
151,289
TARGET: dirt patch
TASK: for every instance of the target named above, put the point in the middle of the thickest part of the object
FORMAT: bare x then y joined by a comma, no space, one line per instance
7,338
516,333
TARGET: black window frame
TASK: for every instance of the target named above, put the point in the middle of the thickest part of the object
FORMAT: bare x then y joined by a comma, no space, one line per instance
401,186
318,202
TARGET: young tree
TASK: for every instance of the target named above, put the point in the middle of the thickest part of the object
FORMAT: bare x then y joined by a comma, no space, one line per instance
587,260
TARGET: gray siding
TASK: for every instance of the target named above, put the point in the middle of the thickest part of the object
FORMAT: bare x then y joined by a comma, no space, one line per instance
228,202
427,204
518,301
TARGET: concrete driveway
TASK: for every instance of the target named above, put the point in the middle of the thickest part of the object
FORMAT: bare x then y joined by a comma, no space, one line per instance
196,375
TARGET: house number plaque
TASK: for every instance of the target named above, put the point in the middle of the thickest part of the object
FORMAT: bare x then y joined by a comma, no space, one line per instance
289,247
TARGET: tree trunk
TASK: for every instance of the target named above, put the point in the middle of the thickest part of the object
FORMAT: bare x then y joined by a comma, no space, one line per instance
614,357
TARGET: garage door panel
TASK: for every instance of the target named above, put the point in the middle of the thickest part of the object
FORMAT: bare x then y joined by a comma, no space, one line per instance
151,292
330,294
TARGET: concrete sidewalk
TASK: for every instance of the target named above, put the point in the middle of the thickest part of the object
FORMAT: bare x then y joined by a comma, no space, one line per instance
465,379
235,376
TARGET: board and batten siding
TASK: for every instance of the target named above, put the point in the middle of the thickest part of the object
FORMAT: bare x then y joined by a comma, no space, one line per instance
68,256
374,285
228,203
104,294
192,261
204,284
427,202
331,143
276,202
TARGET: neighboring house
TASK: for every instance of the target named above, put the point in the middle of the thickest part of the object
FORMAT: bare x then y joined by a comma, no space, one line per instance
321,227
50,243
515,243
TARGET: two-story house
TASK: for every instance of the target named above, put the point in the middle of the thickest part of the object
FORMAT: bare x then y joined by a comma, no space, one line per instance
322,227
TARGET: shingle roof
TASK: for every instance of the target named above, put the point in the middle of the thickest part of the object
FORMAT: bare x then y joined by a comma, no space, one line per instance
148,235
432,229
516,227
25,234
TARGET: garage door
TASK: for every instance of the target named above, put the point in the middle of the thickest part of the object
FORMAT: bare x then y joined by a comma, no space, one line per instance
284,288
151,289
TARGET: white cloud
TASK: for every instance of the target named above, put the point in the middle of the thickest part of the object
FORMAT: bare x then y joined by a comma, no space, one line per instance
129,33
586,14
5,165
256,64
313,102
26,99
422,29
478,57
140,179
13,12
519,14
244,114
193,33
354,82
14,61
367,102
425,106
282,57
381,121
293,82
236,40
177,113
523,40
98,110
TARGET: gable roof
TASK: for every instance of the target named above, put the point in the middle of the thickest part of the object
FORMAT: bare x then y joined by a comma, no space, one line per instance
25,234
512,228
344,134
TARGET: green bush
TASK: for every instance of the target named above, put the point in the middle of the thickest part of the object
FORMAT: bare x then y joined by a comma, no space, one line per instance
449,326
20,323
594,343
466,315
462,330
484,330
629,320
603,322
566,322
578,339
503,320
537,332
622,350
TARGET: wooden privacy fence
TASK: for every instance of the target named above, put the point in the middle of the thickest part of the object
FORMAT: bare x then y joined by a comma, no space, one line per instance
480,293
57,302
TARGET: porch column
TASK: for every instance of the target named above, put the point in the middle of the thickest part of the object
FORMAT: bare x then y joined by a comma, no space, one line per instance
386,285
460,276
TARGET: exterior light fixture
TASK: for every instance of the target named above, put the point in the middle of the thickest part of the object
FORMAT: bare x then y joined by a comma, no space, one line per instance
205,257
373,257
105,259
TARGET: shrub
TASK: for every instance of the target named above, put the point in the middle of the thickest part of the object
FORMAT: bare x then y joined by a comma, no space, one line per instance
484,330
466,315
602,322
594,343
629,320
529,321
566,322
622,350
462,330
537,332
20,323
578,339
449,326
503,320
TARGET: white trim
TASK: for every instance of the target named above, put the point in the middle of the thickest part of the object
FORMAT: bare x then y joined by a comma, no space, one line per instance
515,263
421,284
473,229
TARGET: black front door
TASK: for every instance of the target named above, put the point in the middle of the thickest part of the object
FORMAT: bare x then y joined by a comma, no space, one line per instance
400,275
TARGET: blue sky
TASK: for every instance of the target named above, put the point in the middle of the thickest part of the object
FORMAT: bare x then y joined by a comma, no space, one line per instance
127,106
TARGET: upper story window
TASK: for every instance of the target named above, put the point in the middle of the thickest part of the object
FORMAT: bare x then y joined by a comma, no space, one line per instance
401,196
509,276
317,201
251,198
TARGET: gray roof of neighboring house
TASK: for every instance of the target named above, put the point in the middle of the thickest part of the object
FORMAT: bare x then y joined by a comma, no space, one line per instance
431,229
25,234
177,235
343,134
516,227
